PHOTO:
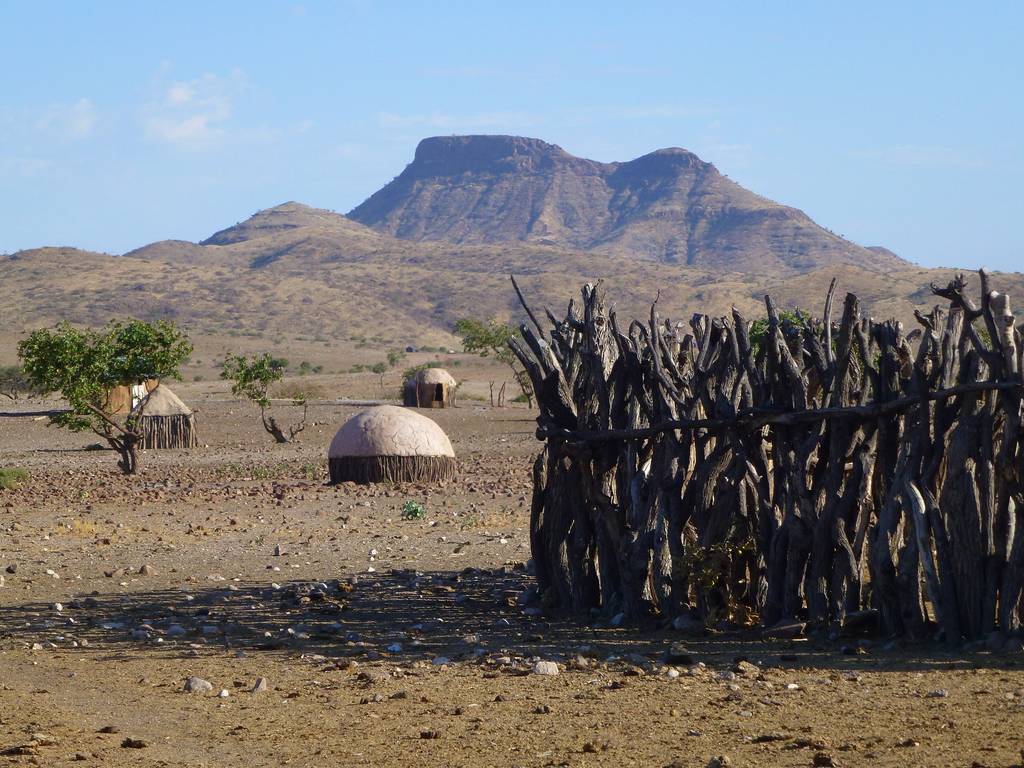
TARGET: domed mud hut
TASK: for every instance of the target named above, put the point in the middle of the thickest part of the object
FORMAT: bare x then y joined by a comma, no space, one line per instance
387,443
167,422
430,388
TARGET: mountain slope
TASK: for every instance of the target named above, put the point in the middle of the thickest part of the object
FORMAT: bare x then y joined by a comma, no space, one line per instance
668,206
312,282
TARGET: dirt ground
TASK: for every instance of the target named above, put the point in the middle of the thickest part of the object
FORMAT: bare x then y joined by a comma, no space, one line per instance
383,641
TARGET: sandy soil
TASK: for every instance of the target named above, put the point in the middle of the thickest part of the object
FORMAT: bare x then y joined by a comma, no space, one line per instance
385,641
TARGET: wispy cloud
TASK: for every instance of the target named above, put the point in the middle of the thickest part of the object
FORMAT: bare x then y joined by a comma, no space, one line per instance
193,114
69,121
920,156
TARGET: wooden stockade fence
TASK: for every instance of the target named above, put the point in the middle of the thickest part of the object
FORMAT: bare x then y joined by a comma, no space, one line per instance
786,470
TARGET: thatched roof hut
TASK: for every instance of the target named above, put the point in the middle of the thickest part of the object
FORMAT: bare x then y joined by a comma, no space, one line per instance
430,388
167,422
387,443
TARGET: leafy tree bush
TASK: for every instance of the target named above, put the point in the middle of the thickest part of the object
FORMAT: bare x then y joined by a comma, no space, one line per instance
490,339
791,321
85,365
251,378
413,510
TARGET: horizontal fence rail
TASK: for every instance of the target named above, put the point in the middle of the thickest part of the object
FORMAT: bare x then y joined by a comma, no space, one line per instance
790,468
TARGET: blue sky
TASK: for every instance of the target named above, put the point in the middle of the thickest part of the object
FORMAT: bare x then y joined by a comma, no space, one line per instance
892,124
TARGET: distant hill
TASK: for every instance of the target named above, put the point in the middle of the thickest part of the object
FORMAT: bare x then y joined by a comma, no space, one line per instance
342,280
668,206
293,270
281,219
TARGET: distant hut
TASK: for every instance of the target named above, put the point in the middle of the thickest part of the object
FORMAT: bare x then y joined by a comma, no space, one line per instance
390,444
430,388
166,421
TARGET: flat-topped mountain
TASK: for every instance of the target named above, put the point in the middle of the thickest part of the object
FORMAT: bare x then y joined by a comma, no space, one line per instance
668,206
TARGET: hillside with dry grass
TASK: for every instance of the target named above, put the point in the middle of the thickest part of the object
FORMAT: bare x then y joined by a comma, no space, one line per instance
296,271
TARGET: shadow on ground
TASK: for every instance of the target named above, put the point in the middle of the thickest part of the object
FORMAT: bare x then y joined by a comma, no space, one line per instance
408,616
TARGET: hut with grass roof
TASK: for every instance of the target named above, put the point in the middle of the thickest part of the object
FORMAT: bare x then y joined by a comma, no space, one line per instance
166,421
430,388
390,444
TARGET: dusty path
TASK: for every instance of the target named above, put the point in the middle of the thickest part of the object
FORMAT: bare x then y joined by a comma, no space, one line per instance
352,622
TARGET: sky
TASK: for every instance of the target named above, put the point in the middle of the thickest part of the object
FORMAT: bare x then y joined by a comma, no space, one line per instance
895,124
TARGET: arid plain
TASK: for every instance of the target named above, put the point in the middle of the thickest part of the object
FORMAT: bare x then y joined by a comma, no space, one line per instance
385,641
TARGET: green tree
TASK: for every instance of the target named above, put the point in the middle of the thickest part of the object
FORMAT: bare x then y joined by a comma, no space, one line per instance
395,356
86,365
791,321
490,339
252,378
380,369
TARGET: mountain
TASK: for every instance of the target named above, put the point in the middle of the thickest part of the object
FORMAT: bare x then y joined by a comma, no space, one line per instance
668,206
294,271
338,281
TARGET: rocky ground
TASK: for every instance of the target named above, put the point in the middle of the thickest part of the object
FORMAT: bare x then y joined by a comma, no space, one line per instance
226,608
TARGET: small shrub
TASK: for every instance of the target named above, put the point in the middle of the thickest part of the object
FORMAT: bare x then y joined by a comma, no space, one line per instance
11,477
413,510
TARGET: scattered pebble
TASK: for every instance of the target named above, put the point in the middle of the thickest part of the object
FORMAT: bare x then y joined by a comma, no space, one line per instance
198,685
545,668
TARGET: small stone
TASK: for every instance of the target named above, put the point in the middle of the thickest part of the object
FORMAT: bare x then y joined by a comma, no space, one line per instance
792,687
278,551
678,653
224,693
764,738
109,729
198,685
545,668
823,760
722,761
908,743
941,693
147,570
260,686
590,748
743,667
430,734
12,569
131,743
726,675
